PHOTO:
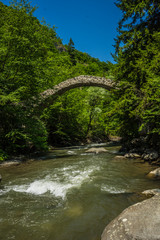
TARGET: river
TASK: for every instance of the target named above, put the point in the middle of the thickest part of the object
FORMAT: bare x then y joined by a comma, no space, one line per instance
69,194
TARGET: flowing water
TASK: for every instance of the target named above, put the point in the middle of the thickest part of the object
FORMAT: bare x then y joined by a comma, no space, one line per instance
68,194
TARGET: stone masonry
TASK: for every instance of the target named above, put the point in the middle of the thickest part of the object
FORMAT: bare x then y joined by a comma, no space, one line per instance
79,81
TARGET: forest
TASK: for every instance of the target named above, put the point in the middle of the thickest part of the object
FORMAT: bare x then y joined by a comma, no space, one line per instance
34,58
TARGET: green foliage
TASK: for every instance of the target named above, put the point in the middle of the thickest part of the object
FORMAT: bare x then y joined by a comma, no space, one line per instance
22,5
151,105
34,59
20,131
136,44
3,155
76,116
71,51
136,108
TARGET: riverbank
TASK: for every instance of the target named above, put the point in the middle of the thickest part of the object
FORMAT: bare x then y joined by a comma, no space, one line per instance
142,148
20,159
131,150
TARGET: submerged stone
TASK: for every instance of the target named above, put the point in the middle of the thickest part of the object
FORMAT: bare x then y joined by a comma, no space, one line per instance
96,150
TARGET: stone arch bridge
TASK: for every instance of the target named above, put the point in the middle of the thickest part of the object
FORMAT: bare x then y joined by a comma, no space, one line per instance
80,81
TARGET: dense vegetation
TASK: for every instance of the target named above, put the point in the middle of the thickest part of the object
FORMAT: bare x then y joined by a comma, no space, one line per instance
33,59
137,105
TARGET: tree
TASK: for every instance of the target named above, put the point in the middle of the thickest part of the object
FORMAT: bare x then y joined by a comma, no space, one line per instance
23,5
139,23
22,68
71,51
138,69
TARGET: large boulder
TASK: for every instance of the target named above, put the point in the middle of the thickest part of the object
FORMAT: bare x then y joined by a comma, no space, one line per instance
140,221
96,150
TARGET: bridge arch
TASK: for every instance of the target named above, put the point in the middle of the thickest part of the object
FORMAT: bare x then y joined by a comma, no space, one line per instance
80,81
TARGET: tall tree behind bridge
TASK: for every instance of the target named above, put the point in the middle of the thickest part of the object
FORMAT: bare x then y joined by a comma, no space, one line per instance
138,69
71,51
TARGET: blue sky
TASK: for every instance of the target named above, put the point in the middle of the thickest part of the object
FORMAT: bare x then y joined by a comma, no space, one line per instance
90,23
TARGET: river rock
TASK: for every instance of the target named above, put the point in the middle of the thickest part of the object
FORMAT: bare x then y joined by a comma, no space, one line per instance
96,150
132,155
0,178
9,163
114,138
119,157
151,156
151,192
140,221
155,162
155,173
